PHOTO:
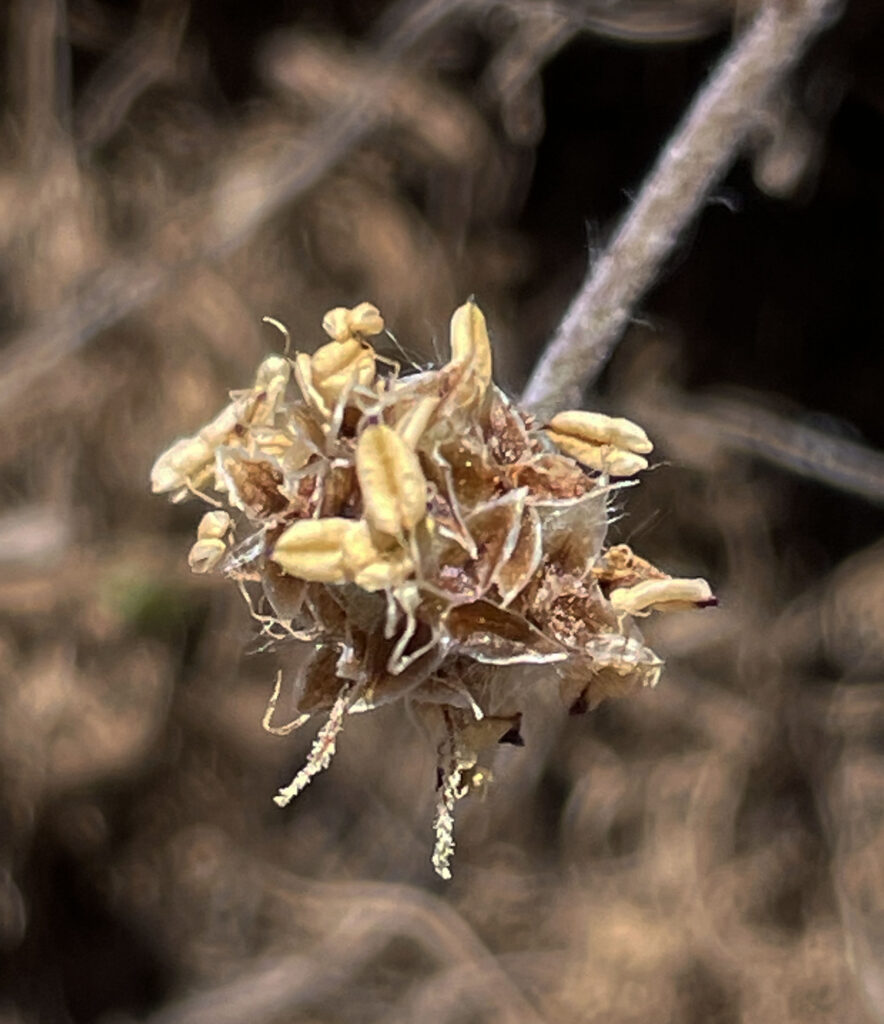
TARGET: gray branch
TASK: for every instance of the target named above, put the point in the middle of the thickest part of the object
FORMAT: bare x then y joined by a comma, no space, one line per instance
698,155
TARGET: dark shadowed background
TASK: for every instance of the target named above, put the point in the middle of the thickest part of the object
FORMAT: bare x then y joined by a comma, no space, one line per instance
710,851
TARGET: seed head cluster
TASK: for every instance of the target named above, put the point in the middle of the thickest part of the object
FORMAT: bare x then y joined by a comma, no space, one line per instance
423,539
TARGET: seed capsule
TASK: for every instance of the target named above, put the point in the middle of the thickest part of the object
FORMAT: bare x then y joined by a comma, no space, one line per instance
205,555
213,525
313,549
339,365
184,461
341,323
366,319
602,458
662,596
470,345
394,490
470,356
596,428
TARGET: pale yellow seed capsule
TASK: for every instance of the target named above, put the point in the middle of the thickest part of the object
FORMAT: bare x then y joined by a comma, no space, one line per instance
596,428
602,458
304,377
413,424
359,548
205,555
373,568
469,342
342,323
271,380
180,463
366,319
341,364
313,549
336,323
394,491
213,525
386,572
661,596
271,372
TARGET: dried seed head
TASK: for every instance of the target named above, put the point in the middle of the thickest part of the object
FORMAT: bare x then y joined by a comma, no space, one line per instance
394,490
424,540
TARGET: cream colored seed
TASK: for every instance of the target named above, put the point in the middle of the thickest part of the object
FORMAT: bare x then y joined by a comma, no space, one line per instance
602,458
661,596
469,342
341,323
413,424
313,549
394,491
596,428
181,462
366,319
359,550
213,525
387,571
339,364
336,323
304,377
205,555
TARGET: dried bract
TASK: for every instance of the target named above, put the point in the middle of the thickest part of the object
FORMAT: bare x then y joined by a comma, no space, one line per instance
417,537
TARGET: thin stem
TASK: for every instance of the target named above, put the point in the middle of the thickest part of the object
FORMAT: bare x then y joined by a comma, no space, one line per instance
699,153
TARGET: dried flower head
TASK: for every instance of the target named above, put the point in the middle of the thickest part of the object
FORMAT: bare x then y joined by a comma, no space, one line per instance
422,538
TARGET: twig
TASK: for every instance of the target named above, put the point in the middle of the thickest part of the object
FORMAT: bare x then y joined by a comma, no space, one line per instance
801,449
241,201
699,153
364,918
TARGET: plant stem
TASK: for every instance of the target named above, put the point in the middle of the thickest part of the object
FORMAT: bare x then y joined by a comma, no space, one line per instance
699,153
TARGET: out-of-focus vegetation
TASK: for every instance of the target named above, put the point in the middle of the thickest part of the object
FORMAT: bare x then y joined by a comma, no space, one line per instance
170,172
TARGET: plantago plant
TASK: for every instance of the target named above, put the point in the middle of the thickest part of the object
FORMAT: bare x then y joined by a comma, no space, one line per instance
423,539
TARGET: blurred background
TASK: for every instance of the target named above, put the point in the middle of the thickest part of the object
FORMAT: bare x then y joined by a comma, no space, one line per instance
712,851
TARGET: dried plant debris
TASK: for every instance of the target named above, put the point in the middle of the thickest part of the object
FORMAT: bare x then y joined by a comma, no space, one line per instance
421,538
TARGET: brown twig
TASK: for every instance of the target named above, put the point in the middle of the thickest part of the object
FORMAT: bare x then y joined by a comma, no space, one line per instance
240,202
804,450
699,153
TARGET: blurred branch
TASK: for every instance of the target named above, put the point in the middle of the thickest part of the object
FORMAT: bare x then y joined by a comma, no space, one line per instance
369,916
240,202
701,150
149,57
801,449
39,85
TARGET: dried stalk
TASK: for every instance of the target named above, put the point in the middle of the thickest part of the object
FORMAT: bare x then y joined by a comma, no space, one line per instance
699,153
241,201
797,447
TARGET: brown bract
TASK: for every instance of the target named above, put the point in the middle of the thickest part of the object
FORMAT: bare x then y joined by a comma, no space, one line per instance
420,538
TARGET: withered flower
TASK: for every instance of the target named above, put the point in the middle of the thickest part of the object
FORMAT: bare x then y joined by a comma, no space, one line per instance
422,538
